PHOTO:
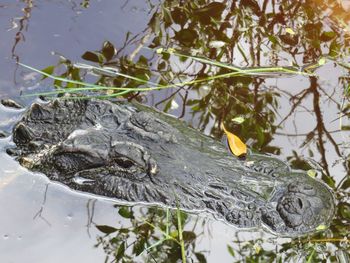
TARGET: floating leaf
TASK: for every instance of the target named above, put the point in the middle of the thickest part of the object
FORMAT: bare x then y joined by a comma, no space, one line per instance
236,146
126,212
238,120
322,61
106,229
311,173
257,248
290,31
321,227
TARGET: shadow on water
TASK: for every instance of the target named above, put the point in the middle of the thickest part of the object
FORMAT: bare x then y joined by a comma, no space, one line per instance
303,119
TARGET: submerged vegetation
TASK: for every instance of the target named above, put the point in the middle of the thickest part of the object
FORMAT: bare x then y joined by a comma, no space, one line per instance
216,62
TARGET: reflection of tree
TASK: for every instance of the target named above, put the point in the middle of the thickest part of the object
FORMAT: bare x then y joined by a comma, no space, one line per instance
22,26
139,234
318,133
142,228
39,214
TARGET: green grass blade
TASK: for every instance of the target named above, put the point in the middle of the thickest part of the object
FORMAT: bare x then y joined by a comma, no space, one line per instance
86,66
181,240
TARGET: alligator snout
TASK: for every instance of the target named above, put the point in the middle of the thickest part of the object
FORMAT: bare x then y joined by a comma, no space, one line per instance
304,206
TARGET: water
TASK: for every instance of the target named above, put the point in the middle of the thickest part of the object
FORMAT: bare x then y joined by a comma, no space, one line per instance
302,120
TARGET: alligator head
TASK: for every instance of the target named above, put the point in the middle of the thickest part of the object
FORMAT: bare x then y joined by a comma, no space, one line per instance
139,155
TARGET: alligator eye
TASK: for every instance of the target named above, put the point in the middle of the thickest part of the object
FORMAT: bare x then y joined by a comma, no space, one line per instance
124,162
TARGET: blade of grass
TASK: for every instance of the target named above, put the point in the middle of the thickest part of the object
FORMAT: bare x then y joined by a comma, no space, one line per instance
86,66
89,86
252,71
181,240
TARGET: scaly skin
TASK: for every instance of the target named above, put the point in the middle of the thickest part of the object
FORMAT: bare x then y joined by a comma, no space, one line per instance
136,154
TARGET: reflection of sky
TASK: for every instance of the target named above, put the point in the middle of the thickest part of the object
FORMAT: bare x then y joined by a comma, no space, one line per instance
303,120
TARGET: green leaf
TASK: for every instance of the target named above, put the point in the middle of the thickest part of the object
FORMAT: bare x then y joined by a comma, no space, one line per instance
345,184
48,70
334,49
106,229
168,105
345,127
322,61
126,212
312,173
231,251
260,135
201,258
121,251
238,120
189,236
327,36
139,246
174,234
344,210
257,248
159,50
309,260
321,227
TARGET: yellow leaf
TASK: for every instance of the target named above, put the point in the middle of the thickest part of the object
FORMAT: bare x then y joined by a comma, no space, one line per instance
236,146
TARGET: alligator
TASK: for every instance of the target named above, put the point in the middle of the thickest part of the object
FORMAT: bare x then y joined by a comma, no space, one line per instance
135,153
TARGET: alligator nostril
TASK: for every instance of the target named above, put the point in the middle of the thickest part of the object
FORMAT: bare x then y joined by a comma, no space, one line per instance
22,134
300,203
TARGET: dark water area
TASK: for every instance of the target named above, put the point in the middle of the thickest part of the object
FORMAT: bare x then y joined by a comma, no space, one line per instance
302,118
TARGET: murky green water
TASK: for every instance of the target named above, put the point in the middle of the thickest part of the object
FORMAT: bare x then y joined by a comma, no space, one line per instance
303,119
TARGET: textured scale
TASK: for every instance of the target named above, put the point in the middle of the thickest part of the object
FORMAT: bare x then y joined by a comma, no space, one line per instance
134,153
